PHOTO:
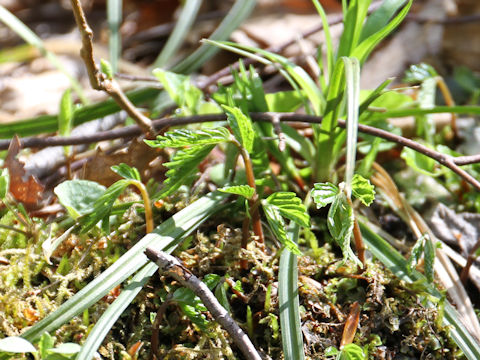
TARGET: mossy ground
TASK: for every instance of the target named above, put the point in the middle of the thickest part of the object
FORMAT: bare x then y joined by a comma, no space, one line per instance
397,320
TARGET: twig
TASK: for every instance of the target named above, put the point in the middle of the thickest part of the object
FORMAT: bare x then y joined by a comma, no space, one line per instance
471,258
184,276
451,162
98,80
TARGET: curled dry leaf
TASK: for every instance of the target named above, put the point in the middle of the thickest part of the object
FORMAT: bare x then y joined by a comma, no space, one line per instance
23,187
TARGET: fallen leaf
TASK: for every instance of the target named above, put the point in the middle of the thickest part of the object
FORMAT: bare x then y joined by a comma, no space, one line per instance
138,155
24,188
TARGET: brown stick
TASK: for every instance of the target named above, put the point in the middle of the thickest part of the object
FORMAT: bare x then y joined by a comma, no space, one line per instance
98,80
451,162
184,276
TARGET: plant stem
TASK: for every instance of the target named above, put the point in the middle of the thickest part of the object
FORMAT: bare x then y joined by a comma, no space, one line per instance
146,201
357,236
256,223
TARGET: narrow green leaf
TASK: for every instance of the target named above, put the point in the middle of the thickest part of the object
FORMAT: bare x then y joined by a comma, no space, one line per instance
4,183
182,27
237,14
242,190
277,225
182,167
65,115
288,302
415,254
363,190
114,19
429,256
103,205
324,194
380,17
49,123
180,89
328,38
79,196
185,137
352,75
241,126
290,207
354,18
127,172
15,344
107,68
364,49
66,349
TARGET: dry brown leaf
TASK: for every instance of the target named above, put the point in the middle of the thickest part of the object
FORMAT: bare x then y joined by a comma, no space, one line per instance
25,189
137,155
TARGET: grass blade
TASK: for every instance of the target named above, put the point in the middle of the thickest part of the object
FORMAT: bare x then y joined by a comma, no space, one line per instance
328,38
166,236
237,14
292,339
352,73
113,312
364,49
393,260
380,17
182,27
30,37
114,18
49,123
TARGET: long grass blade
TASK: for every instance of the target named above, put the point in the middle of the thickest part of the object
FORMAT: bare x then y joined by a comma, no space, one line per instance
49,123
182,27
113,312
31,38
166,236
237,14
393,260
380,17
114,18
328,38
352,74
292,339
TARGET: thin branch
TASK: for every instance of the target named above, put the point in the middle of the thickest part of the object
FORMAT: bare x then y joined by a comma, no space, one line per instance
185,277
98,80
451,162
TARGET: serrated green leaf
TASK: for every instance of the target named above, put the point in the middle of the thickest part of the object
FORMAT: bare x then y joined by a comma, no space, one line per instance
241,126
15,344
183,165
127,172
79,196
185,137
291,207
363,190
340,222
242,190
4,183
103,205
324,193
277,224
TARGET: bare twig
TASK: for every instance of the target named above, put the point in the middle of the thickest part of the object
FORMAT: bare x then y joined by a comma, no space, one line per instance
451,162
184,276
98,80
471,258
